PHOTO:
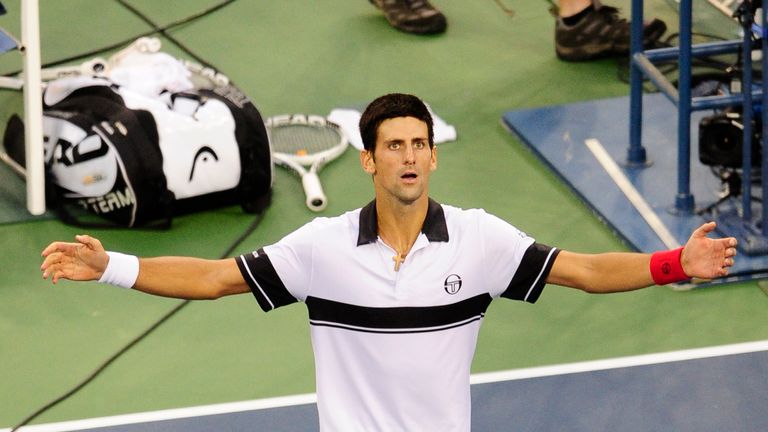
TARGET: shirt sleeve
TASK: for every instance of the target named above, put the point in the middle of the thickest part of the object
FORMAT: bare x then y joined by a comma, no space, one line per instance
265,283
531,275
517,266
280,274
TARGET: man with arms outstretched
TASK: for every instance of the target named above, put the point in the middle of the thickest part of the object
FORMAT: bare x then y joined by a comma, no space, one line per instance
396,290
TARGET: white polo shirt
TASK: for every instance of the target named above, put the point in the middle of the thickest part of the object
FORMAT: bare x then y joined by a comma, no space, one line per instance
393,350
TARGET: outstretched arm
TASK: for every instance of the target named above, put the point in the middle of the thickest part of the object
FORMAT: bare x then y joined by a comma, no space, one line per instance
178,277
702,257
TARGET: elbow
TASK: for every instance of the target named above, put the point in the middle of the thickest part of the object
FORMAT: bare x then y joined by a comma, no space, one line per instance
215,291
593,289
211,296
202,290
608,287
589,286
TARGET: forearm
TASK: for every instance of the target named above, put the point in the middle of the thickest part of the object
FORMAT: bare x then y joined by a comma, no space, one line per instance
602,273
189,278
179,277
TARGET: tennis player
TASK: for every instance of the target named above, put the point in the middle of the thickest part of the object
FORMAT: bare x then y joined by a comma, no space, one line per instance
396,290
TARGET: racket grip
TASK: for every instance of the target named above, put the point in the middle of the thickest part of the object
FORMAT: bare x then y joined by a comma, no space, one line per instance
316,200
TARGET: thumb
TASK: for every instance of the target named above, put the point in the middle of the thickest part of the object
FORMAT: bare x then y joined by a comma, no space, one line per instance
704,229
90,242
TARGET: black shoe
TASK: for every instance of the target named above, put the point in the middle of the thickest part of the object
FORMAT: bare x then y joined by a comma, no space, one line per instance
601,33
412,16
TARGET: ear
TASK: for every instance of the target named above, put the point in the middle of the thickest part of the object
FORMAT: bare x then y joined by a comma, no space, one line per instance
433,158
367,161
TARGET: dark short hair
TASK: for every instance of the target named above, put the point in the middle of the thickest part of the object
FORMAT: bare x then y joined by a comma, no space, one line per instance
391,106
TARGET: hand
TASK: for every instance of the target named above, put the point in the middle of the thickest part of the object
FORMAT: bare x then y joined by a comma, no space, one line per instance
707,258
81,261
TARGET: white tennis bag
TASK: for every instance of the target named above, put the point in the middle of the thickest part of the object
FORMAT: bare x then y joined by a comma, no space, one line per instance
133,159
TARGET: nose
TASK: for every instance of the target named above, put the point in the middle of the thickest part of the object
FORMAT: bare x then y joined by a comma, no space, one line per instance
410,155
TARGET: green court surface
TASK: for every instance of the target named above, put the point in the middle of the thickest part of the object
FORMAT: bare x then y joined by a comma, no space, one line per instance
303,56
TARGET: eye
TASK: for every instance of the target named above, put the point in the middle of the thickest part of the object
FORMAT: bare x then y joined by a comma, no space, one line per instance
393,146
418,145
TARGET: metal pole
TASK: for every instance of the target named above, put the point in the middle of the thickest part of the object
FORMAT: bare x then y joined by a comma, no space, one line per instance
33,107
746,92
636,154
764,113
684,200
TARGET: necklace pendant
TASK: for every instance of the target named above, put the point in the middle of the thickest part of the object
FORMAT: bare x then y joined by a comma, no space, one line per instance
398,259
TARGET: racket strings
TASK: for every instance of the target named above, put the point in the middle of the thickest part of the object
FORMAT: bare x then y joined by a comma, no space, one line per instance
303,140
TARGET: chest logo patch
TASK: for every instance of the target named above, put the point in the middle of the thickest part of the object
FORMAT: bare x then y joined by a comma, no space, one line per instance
452,284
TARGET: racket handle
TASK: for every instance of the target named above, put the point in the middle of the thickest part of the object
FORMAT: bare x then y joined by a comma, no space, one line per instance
316,200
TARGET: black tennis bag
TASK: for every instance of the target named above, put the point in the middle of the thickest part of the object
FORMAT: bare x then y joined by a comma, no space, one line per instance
135,160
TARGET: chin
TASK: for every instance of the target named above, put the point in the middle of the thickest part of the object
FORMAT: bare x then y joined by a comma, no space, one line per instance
409,199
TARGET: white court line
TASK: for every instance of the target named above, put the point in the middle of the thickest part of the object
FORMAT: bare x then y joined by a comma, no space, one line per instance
482,378
620,362
179,413
631,193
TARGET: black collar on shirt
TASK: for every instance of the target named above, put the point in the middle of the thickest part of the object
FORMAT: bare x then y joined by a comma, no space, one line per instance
434,225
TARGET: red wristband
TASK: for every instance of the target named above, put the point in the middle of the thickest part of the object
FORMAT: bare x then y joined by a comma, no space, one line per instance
666,267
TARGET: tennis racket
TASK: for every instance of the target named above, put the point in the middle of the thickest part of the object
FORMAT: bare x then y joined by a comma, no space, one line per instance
301,140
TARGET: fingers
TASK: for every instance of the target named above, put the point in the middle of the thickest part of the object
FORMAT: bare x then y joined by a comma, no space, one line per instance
728,244
59,265
79,260
58,257
728,260
58,247
86,240
51,266
730,251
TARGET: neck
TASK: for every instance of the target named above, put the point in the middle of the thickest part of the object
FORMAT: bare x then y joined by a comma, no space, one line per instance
400,224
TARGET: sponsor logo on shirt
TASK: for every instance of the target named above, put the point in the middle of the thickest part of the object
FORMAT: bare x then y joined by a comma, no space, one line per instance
452,284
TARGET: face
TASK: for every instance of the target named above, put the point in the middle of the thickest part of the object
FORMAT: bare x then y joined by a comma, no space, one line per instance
402,160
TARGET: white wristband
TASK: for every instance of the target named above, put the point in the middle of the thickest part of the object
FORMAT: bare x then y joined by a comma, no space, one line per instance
122,270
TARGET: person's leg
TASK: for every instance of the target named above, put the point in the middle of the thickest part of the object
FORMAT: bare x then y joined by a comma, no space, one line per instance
586,29
412,16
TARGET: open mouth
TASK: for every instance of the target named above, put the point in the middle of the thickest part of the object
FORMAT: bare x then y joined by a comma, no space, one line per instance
409,176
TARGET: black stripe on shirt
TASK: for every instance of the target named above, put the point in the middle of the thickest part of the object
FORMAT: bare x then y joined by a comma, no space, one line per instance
398,331
331,313
265,284
531,275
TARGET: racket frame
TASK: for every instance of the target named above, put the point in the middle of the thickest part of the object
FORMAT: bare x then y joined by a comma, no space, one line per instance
307,166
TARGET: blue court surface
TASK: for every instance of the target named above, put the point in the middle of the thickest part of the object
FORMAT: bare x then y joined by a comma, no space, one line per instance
709,389
582,142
